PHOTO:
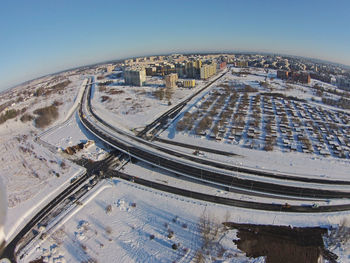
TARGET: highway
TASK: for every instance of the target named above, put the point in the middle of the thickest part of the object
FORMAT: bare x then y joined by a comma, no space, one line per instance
65,199
204,174
17,247
173,111
278,207
97,170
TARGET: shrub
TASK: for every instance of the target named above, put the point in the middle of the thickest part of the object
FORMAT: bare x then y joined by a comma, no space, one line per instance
26,117
108,230
170,234
105,98
108,209
9,114
339,235
175,246
46,116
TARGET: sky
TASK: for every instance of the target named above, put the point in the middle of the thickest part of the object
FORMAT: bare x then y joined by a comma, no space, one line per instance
39,37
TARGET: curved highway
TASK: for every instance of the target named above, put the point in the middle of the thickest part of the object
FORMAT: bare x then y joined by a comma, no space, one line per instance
204,174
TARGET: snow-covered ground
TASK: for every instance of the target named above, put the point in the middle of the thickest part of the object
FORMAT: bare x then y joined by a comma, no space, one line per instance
120,221
34,174
72,133
134,107
147,172
281,158
130,223
295,163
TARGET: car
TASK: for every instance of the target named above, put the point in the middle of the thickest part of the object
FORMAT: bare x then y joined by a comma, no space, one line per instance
314,205
286,205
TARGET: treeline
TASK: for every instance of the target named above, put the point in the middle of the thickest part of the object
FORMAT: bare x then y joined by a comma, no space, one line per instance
340,103
9,114
46,91
280,95
238,88
319,91
46,116
105,83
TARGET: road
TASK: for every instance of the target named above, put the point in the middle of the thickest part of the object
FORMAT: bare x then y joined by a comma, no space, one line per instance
81,186
278,207
161,121
282,188
65,199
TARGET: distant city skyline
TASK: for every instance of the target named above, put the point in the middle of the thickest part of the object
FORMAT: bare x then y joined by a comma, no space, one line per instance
43,37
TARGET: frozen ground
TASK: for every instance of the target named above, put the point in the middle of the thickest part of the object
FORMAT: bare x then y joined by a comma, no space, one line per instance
73,133
125,233
297,163
133,107
34,174
131,223
147,172
290,162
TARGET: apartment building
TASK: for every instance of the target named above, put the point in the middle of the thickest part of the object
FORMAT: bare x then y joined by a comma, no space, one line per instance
170,80
135,76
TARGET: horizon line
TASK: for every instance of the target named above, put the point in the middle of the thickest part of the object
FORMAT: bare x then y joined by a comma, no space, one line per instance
170,53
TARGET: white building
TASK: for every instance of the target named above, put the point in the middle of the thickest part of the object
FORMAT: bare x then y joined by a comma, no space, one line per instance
135,76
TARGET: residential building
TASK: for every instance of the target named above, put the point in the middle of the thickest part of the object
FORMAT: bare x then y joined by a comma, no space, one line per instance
208,70
343,82
151,71
109,68
302,77
282,74
189,83
135,76
241,64
180,70
170,80
193,68
222,65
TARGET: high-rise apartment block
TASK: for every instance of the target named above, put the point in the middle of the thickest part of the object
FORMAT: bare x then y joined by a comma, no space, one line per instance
192,68
208,70
135,76
170,80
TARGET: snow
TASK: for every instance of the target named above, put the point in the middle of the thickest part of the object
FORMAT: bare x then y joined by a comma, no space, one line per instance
33,172
297,164
87,232
147,172
136,106
123,234
72,133
3,210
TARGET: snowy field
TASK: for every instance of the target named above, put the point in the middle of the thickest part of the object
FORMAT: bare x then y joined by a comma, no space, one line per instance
73,133
295,163
120,221
123,222
33,172
130,223
302,150
132,107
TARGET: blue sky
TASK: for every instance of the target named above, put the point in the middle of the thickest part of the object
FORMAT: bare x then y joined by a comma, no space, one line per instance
38,37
